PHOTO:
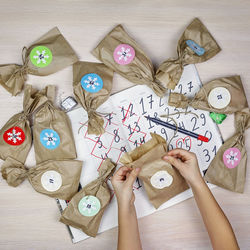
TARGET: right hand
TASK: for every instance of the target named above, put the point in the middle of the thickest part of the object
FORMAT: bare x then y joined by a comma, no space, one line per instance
187,164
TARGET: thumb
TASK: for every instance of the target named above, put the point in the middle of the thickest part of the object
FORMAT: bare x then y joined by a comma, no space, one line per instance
132,176
173,161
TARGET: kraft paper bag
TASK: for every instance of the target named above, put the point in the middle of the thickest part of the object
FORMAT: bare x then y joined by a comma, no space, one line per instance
86,208
228,168
45,56
121,53
55,178
15,135
161,180
224,95
92,84
196,45
52,131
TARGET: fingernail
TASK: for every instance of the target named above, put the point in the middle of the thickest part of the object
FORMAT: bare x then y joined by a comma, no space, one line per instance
165,157
137,170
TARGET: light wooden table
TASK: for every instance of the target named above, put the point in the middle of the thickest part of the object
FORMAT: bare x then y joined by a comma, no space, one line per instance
29,220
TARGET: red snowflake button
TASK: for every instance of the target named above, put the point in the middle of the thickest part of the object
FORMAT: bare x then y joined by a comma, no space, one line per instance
14,136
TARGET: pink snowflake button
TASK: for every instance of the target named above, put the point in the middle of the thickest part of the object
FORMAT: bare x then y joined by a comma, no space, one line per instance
124,54
231,157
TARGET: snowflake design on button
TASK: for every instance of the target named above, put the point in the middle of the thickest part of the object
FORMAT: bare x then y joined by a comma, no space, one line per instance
124,54
49,139
89,205
41,56
92,82
14,136
231,157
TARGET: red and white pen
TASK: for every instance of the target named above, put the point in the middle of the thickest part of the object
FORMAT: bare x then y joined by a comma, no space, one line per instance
181,130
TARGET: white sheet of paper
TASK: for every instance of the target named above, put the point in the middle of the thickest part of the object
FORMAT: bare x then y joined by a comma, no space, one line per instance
126,127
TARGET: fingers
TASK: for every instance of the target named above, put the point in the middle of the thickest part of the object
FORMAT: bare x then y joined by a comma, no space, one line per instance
121,173
173,161
132,176
180,153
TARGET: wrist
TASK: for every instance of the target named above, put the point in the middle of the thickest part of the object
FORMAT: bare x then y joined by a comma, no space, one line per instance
198,183
126,208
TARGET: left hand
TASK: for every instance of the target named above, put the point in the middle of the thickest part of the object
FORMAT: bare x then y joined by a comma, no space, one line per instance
122,182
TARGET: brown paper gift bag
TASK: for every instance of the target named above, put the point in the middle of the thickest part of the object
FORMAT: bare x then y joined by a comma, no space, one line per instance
161,180
228,168
57,178
122,54
86,208
16,133
224,95
92,83
52,132
196,45
45,56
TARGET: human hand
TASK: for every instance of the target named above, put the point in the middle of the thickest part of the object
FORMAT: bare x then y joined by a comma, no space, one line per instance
122,182
187,164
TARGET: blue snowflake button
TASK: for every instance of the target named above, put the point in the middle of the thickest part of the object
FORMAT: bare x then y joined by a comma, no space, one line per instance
92,82
49,139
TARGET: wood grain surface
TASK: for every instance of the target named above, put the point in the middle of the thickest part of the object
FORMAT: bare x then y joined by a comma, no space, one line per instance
29,220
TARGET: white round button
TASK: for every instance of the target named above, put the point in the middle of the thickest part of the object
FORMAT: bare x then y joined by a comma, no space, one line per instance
51,181
161,179
219,97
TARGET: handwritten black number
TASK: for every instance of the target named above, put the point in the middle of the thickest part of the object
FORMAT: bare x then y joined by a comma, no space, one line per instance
117,137
160,103
142,104
203,117
99,142
123,149
207,155
181,125
150,100
214,150
109,117
137,127
178,113
195,122
190,86
123,113
105,156
163,131
180,87
130,130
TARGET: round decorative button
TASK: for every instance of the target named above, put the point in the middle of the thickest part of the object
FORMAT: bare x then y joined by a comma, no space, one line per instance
41,56
51,180
232,157
124,54
219,97
49,139
89,205
161,179
14,136
92,82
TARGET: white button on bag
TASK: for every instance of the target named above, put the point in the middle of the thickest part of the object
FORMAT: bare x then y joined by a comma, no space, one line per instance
51,181
219,97
161,179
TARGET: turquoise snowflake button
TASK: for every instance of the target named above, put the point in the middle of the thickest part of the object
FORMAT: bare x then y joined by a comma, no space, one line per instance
89,205
49,139
92,82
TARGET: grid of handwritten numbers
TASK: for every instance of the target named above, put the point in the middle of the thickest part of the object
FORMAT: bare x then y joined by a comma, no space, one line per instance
137,128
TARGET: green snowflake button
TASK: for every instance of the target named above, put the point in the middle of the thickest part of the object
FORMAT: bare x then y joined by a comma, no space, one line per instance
217,118
89,205
41,56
